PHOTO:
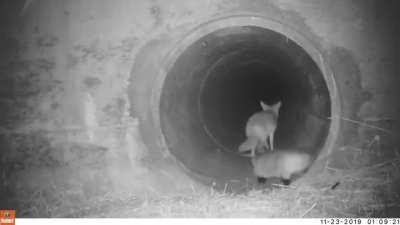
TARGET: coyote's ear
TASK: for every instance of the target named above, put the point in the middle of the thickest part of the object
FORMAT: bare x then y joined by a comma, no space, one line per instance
264,106
276,107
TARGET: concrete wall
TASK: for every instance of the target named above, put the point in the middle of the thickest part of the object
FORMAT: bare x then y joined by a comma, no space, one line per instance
67,124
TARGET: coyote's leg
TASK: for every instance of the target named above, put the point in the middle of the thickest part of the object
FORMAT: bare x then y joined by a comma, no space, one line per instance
271,141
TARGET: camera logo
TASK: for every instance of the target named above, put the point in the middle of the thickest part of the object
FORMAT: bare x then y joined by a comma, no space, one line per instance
7,217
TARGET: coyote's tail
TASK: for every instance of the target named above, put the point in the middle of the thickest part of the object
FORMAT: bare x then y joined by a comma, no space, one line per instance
249,144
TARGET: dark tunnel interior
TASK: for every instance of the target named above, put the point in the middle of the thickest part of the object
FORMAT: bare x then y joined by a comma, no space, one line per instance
216,84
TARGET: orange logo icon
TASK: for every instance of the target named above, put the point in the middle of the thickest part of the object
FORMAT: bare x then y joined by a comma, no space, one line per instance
7,217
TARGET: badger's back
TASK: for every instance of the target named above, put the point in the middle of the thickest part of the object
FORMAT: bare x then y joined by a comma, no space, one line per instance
282,164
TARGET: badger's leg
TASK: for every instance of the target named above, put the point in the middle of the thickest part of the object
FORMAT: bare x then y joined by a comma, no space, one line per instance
286,181
286,178
261,180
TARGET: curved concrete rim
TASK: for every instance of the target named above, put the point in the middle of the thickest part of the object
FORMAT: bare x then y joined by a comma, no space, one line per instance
248,20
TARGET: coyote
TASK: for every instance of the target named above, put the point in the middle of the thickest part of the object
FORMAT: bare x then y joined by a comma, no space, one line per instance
260,127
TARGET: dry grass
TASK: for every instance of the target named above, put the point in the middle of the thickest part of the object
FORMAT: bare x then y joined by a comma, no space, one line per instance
370,187
367,191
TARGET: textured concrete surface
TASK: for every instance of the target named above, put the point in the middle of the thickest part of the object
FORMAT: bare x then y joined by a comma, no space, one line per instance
217,83
68,129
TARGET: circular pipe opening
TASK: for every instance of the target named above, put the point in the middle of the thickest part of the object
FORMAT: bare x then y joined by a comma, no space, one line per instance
216,84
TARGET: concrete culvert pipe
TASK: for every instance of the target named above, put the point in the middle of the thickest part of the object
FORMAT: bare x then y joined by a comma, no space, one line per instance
216,82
